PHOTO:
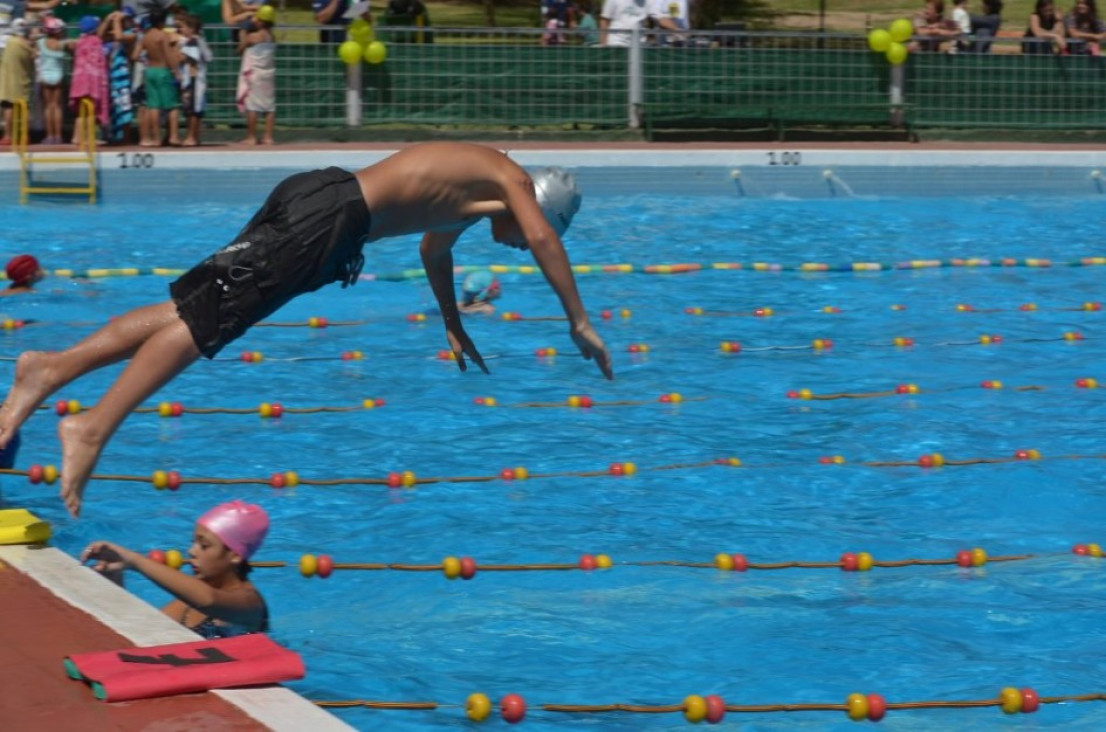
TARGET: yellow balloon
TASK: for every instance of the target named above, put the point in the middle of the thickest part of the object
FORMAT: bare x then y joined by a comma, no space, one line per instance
896,54
350,52
879,40
361,31
901,30
375,52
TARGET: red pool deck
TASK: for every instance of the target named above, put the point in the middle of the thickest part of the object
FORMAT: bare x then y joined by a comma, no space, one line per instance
51,607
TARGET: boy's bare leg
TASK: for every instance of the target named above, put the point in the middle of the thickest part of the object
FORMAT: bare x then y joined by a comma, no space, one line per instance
162,356
174,127
38,374
251,128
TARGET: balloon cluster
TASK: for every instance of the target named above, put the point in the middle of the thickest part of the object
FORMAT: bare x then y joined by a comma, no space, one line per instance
361,45
890,42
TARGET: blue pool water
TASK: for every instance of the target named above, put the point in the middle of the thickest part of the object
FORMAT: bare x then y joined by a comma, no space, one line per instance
641,634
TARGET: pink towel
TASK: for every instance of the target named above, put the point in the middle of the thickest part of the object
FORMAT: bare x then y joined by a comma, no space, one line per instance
90,77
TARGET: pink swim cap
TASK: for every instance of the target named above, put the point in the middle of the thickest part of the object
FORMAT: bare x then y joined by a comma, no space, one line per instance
241,526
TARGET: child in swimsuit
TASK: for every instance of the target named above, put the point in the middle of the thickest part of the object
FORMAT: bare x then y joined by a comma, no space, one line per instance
53,51
309,233
217,600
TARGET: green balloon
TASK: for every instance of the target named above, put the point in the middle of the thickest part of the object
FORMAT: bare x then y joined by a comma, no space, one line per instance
896,54
879,40
375,53
350,52
901,30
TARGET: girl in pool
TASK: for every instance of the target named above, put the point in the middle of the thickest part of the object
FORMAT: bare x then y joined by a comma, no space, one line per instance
218,600
23,272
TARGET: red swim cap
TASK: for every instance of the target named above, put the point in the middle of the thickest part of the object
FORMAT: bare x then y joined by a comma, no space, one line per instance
22,269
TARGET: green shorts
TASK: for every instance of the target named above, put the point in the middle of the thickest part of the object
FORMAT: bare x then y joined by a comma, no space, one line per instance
161,89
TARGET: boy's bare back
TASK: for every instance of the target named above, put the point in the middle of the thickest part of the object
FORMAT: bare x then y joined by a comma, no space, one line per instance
440,186
157,47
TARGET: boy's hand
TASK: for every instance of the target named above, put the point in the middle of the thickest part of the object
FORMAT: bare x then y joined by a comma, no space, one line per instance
592,346
462,346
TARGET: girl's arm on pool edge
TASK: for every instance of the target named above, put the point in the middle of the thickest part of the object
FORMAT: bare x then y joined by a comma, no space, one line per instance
237,607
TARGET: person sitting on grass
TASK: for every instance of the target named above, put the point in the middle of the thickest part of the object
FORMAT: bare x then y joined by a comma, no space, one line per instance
309,233
217,600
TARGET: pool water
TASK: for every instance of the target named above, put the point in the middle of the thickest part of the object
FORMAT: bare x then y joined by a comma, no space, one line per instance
641,633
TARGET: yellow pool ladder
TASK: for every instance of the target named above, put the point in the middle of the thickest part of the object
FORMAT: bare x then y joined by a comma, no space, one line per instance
86,156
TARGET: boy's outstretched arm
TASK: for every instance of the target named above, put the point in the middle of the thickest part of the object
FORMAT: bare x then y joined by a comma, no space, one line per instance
549,253
436,251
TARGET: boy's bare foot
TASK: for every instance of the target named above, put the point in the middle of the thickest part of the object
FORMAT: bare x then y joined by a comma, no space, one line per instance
80,449
148,144
33,383
189,142
267,141
249,141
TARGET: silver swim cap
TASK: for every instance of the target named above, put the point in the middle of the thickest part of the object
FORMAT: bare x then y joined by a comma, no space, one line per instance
558,196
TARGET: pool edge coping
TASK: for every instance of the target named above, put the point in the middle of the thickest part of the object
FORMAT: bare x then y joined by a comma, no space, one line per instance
278,708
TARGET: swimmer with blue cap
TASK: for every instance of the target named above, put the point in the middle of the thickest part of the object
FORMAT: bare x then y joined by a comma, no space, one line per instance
477,292
310,233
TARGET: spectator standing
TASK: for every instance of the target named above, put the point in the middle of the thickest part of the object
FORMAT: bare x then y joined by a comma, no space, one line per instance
195,56
621,16
160,83
12,10
1045,33
556,15
118,33
257,76
962,19
52,52
586,23
90,77
237,14
985,27
17,73
333,13
676,13
1084,28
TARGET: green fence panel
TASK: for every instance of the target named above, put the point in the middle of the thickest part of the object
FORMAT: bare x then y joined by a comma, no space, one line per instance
766,86
1007,90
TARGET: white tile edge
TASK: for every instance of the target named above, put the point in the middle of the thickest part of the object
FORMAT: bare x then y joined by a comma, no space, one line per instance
277,708
811,155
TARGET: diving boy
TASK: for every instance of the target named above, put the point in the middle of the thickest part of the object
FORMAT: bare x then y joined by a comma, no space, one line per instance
307,234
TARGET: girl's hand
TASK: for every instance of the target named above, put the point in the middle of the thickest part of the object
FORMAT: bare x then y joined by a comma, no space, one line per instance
109,559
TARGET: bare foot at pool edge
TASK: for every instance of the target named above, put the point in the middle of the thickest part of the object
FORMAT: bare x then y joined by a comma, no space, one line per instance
80,449
31,385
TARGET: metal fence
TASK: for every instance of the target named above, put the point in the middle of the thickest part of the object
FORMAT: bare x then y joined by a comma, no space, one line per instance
505,77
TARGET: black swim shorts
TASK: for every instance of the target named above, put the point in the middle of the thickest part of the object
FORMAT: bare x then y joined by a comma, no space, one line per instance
308,234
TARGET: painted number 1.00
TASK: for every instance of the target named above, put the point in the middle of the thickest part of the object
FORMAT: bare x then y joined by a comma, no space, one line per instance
785,158
135,160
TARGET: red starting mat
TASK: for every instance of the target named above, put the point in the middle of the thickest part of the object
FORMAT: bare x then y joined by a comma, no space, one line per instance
182,668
